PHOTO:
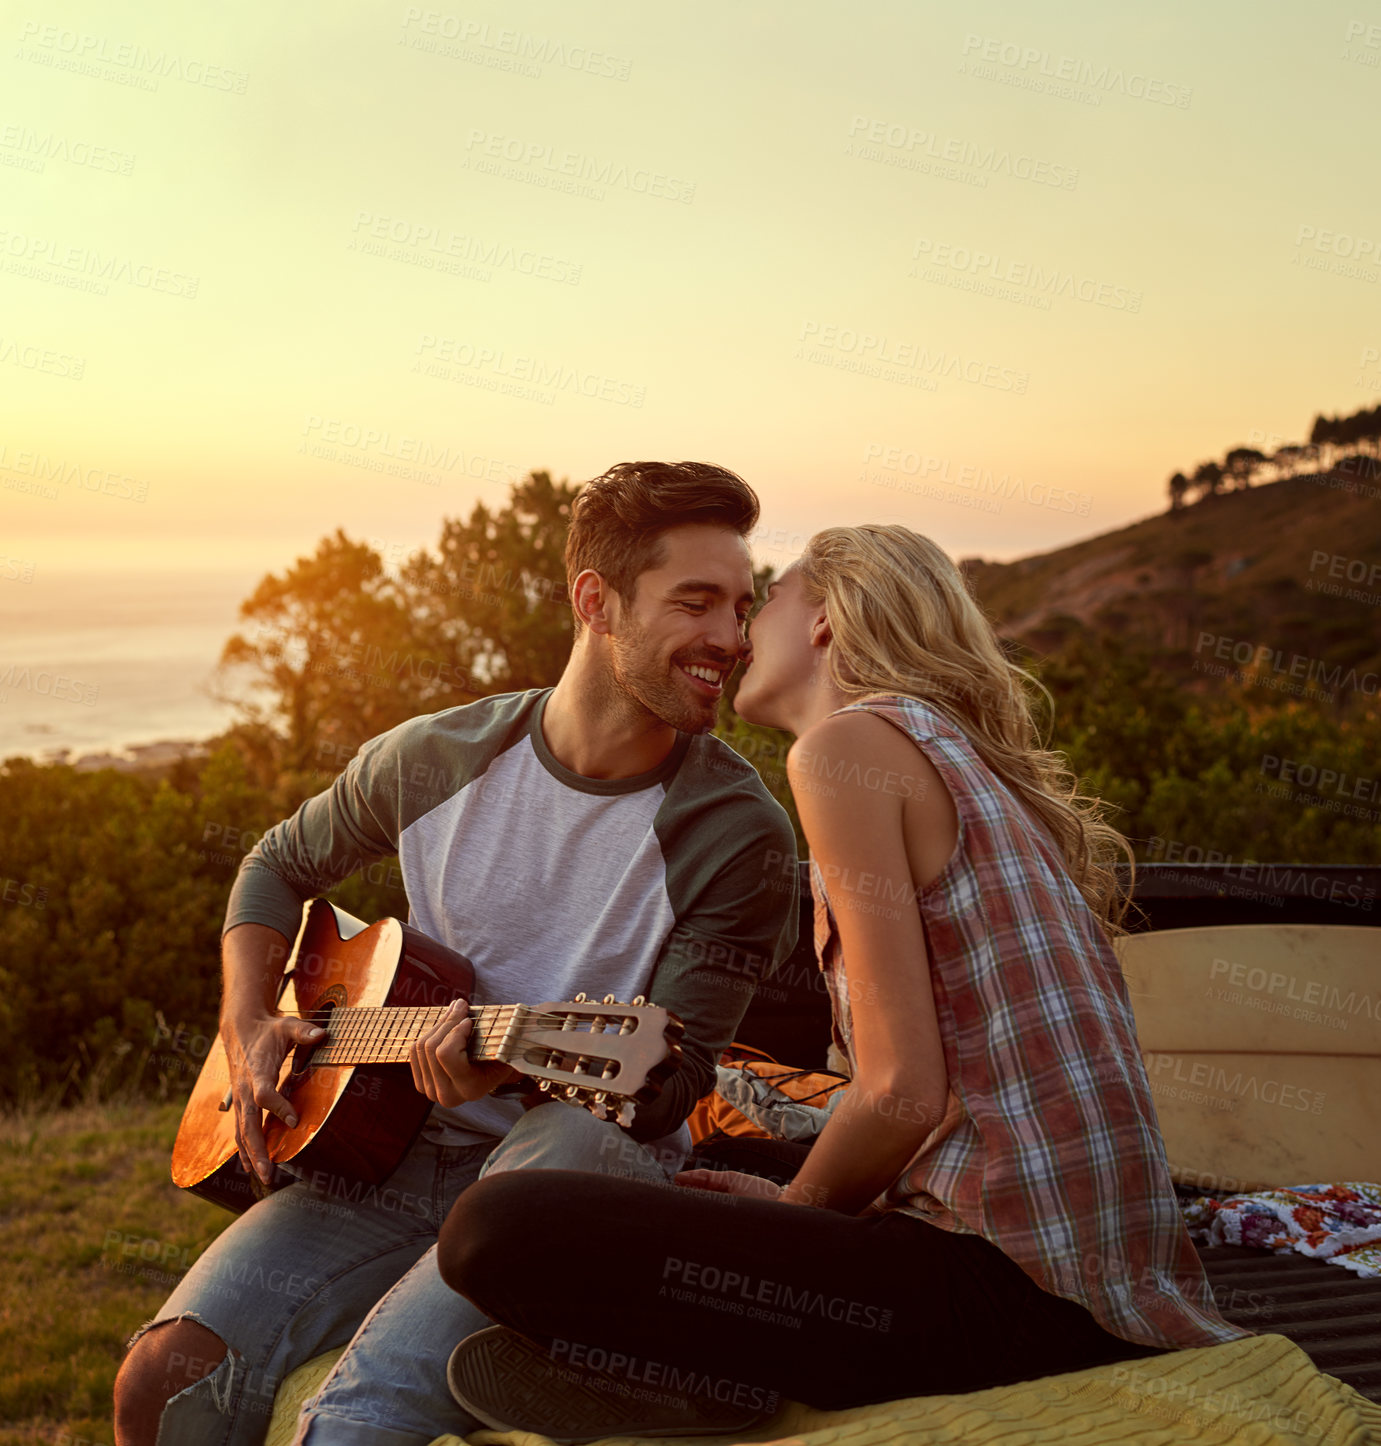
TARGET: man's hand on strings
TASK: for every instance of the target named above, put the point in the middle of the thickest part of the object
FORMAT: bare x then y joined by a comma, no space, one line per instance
441,1067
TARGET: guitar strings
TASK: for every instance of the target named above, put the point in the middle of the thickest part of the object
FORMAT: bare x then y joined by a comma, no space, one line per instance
376,1023
407,1031
348,1041
379,1028
357,1012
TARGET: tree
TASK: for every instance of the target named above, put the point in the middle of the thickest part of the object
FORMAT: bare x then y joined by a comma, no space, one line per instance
319,655
336,650
1286,460
1362,431
1241,463
1208,478
1179,485
1331,435
493,599
1323,435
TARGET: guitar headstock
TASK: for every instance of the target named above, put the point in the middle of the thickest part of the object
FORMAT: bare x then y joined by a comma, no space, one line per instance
606,1056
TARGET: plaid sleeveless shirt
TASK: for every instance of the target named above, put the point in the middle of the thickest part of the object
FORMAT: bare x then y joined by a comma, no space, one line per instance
1049,1147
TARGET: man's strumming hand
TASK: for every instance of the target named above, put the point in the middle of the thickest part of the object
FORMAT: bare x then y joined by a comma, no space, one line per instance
255,1049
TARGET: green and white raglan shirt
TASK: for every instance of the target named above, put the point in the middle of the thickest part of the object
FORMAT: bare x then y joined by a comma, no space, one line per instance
678,883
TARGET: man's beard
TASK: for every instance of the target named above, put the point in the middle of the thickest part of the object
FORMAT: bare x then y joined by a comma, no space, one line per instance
647,682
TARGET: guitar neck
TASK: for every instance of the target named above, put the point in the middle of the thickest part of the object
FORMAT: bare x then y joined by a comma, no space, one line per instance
384,1034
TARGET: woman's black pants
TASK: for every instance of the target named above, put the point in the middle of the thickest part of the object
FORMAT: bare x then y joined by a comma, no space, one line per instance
684,1289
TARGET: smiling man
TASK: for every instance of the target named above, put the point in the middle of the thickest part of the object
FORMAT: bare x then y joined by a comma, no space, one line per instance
589,837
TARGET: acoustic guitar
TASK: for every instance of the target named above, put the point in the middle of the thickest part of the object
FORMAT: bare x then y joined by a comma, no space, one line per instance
375,990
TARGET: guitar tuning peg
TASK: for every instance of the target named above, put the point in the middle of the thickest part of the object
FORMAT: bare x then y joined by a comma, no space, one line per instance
640,999
608,999
580,998
544,1085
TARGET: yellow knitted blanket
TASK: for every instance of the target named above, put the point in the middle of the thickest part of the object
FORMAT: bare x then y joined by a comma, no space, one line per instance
1258,1391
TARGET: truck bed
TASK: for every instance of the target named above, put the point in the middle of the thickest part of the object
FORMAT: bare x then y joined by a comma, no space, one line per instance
1332,1314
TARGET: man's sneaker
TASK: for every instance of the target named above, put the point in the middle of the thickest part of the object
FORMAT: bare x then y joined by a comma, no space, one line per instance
513,1384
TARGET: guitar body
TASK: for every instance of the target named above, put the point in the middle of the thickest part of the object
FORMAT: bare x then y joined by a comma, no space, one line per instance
354,1122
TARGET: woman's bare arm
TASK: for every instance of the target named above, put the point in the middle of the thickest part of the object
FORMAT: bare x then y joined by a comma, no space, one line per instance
852,776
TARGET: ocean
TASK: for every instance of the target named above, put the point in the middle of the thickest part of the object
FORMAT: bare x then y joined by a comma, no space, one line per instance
98,663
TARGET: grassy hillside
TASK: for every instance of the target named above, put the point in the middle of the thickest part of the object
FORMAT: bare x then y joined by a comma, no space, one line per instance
1255,565
96,1236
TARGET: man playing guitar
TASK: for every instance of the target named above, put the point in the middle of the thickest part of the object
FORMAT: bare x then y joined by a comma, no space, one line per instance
592,837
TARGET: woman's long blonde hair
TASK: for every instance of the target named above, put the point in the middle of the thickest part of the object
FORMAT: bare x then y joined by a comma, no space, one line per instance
904,622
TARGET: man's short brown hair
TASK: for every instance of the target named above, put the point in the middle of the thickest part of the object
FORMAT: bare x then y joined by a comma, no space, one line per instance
618,519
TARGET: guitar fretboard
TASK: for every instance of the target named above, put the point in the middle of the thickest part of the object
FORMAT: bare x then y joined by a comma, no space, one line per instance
383,1034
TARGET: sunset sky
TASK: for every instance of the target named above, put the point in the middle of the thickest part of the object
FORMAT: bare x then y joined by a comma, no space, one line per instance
886,261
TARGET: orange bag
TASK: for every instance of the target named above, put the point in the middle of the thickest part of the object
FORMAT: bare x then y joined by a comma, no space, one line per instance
715,1116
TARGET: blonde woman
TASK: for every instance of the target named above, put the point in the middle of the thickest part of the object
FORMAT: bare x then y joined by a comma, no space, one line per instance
990,1200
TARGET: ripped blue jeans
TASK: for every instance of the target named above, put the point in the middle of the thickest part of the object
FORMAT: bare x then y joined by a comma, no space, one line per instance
315,1266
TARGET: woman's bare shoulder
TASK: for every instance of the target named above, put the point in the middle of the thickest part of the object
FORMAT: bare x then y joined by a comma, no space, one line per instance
859,744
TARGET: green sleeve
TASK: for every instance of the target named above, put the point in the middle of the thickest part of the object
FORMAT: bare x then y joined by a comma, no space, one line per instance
394,779
335,833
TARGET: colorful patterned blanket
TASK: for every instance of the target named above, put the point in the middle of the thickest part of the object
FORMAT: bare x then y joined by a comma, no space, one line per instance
1339,1223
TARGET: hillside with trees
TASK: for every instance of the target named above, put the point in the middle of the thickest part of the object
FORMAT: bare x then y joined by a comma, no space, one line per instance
1289,566
1350,444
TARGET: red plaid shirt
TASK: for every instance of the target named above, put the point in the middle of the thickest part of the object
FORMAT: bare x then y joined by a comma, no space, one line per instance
1050,1147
